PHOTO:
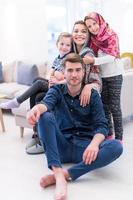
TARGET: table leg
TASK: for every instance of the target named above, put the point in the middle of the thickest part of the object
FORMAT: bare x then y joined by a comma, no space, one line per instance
2,121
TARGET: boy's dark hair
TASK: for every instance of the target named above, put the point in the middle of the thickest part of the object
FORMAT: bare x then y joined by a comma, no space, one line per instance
73,58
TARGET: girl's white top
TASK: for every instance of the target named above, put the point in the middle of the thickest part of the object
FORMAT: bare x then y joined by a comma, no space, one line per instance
109,65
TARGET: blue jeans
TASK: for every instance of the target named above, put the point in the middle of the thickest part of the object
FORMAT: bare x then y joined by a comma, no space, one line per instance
61,150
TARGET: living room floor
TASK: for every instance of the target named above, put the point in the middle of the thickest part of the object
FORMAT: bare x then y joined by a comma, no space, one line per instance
20,173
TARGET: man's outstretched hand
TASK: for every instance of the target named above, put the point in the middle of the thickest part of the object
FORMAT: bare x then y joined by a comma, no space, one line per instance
34,114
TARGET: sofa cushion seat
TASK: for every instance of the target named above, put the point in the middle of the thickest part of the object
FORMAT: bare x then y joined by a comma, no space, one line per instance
10,89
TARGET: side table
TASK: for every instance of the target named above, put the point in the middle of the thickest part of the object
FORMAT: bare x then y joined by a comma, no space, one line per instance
2,121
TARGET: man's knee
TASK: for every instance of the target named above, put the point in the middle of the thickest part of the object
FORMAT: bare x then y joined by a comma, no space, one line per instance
47,117
45,124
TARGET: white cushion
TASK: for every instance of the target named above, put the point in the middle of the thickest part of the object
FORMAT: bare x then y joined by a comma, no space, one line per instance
9,71
42,67
10,89
26,73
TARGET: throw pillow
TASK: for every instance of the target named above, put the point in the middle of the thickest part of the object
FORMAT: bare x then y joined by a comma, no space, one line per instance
9,71
1,73
26,73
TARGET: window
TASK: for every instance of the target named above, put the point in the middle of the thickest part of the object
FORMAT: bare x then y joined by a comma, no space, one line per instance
56,23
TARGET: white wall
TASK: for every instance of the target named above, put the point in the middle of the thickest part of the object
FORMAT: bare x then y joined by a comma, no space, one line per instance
23,30
119,14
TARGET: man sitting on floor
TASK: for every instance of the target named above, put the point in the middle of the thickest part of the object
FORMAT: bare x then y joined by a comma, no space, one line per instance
70,132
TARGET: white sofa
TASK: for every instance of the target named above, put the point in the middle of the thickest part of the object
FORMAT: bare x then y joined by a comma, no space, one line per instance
20,116
11,88
126,95
14,81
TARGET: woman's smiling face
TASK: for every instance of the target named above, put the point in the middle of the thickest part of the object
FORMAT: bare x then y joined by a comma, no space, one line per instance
79,34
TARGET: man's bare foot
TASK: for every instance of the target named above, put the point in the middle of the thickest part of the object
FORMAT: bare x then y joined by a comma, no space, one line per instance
47,180
61,187
50,179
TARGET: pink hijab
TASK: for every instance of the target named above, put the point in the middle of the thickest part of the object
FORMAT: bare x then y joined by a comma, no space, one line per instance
106,39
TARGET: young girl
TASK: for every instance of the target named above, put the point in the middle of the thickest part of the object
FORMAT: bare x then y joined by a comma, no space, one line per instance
104,42
40,86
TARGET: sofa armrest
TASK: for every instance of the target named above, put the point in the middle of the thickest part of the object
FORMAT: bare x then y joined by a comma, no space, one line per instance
126,94
20,116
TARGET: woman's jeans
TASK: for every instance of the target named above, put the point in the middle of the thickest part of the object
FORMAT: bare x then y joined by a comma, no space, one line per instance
61,150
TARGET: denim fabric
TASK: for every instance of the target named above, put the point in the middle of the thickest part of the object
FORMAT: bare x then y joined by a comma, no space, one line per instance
60,149
73,118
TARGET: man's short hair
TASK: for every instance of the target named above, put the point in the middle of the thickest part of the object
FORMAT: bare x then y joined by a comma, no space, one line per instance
73,58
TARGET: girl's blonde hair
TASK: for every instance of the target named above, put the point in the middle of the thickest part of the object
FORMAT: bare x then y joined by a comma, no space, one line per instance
64,34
